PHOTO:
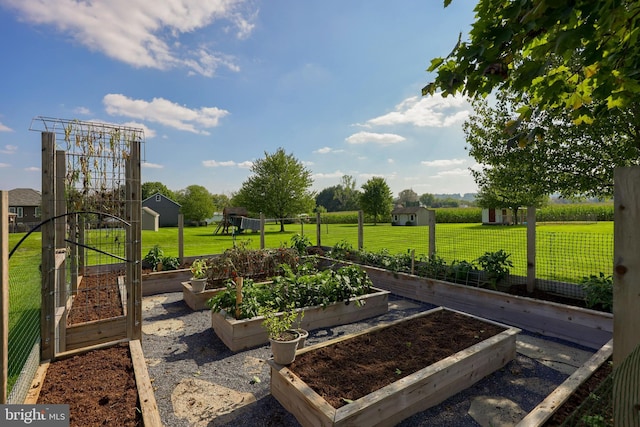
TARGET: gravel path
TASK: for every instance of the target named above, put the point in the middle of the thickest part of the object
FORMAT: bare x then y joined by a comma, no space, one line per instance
199,382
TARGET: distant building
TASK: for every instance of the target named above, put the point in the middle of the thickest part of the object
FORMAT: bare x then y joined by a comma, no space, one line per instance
496,216
165,207
25,204
412,215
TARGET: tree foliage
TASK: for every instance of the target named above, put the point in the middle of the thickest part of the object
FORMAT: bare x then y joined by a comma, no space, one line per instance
561,54
197,203
376,199
220,201
278,187
566,158
347,194
408,197
327,199
153,187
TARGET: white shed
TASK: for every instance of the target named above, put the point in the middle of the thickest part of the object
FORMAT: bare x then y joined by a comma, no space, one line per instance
497,216
413,215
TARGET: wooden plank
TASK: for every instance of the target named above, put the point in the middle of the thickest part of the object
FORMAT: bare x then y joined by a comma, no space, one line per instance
4,294
47,309
626,289
589,328
96,332
242,334
148,405
36,385
159,282
545,409
198,301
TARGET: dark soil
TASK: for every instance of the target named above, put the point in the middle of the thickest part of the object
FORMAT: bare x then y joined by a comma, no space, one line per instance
580,395
98,297
356,367
98,386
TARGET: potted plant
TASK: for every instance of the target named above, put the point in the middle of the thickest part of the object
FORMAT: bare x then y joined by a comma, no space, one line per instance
284,340
199,269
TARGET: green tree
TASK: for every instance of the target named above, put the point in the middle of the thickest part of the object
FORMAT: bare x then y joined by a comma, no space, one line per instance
327,199
573,160
427,199
408,197
347,194
197,203
561,54
376,199
220,201
278,187
153,187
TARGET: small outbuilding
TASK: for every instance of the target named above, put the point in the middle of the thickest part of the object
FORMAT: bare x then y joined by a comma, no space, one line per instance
497,216
168,209
411,215
150,219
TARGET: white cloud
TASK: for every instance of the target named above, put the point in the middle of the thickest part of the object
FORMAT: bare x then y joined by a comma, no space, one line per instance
327,150
82,110
245,165
429,111
4,128
9,149
215,163
4,165
152,165
452,172
376,138
32,169
148,132
336,174
443,163
162,111
390,161
143,33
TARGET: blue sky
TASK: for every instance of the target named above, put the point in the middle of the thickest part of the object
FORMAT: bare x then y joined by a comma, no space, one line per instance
216,84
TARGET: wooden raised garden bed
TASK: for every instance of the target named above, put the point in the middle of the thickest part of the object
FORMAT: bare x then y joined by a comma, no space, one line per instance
158,282
388,405
198,300
105,395
246,333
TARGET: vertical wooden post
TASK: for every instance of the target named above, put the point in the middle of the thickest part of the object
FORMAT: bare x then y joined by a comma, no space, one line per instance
262,230
626,251
360,230
4,295
47,311
134,254
82,251
431,222
74,251
239,281
531,249
61,208
181,237
318,233
413,261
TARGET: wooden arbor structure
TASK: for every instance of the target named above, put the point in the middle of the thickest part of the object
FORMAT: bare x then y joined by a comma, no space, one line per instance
91,212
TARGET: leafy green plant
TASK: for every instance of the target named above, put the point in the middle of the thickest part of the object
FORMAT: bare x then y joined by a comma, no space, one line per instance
277,322
464,272
199,269
304,287
496,265
300,242
598,291
153,257
170,263
342,250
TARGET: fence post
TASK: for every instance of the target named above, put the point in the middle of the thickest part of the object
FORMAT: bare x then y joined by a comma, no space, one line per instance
626,290
531,248
431,222
47,311
360,230
4,296
181,237
261,230
318,233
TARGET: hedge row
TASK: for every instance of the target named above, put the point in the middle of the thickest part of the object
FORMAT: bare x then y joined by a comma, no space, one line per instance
551,213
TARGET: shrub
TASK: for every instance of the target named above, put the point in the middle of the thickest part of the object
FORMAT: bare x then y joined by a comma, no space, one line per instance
496,265
598,291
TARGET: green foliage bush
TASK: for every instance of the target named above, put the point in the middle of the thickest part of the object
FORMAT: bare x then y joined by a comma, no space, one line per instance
304,287
598,291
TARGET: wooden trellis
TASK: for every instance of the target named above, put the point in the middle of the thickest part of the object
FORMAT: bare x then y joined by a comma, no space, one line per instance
91,212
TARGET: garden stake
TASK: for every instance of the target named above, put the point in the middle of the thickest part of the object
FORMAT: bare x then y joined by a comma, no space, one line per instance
238,281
